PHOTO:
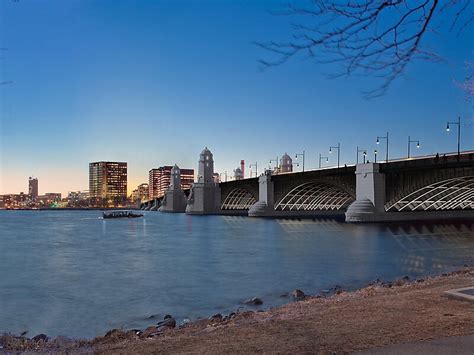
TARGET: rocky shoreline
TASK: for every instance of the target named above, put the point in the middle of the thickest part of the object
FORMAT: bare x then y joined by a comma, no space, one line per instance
168,328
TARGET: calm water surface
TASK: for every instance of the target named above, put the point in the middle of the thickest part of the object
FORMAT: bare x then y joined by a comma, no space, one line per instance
72,273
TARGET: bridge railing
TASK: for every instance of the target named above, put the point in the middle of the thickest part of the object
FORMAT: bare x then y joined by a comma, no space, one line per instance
451,156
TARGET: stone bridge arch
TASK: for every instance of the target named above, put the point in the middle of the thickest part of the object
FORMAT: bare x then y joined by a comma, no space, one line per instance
316,195
451,194
430,190
238,199
239,195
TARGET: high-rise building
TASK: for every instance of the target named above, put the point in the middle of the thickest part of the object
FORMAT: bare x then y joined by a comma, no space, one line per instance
159,180
108,180
33,188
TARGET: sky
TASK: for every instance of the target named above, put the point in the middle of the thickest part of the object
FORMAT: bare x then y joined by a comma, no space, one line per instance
154,82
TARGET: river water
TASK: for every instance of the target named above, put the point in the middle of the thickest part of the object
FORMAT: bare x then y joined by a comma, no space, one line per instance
72,273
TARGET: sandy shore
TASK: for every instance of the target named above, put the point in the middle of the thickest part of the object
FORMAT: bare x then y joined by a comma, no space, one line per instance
371,317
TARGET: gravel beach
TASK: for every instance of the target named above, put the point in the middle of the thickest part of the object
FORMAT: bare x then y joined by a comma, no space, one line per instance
375,316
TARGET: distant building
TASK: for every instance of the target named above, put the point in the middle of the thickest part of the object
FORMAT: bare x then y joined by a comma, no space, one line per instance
108,180
159,180
78,198
33,188
286,164
49,199
15,201
140,193
238,174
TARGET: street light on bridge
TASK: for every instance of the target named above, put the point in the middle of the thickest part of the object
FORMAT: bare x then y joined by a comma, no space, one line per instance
338,152
364,153
300,154
276,163
410,141
256,169
375,155
386,149
458,123
320,158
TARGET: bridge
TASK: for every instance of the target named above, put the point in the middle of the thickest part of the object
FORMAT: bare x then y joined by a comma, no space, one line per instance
429,187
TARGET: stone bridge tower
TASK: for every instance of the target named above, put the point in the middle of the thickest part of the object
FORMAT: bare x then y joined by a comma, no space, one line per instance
174,199
205,196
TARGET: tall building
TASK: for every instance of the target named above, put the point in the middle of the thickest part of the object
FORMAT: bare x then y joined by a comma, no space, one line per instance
108,180
159,180
33,188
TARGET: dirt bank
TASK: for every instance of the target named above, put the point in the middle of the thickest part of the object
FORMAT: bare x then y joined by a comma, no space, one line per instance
371,317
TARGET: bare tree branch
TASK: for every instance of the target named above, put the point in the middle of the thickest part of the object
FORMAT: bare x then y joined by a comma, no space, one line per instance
468,83
377,38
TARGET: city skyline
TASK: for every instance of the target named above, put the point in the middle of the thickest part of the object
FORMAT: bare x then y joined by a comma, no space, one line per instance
141,80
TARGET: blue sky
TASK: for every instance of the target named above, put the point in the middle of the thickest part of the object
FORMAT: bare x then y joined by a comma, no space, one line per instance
153,82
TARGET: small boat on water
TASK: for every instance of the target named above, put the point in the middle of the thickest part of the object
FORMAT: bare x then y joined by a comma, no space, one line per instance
121,214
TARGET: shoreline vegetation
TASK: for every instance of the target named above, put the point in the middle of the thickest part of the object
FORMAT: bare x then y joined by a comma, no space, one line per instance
377,315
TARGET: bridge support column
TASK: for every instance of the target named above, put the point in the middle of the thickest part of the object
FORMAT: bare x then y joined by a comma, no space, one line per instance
205,194
369,205
266,198
155,205
174,200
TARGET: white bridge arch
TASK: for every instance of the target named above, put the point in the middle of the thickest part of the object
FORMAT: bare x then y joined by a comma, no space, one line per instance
315,196
451,194
238,199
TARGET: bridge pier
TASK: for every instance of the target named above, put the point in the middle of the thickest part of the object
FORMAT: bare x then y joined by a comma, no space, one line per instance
369,205
155,205
266,197
174,200
205,194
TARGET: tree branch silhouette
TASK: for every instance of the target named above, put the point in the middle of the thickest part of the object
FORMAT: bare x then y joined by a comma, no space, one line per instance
368,37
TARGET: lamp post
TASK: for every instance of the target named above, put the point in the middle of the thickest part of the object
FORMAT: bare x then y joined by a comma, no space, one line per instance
364,153
338,147
300,154
410,141
458,123
225,174
386,150
276,163
256,169
375,155
320,158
